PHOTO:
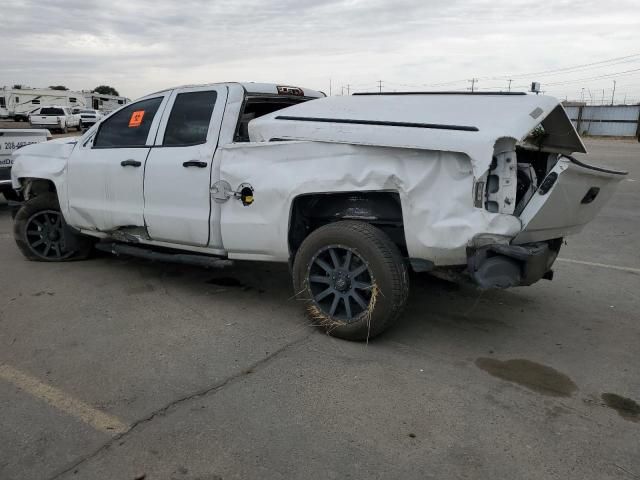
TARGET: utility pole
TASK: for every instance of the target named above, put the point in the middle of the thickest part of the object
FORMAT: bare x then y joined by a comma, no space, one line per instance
614,92
380,86
342,90
473,84
510,84
602,97
348,89
582,96
329,87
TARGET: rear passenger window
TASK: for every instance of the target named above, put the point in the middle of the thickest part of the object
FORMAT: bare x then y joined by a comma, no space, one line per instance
129,127
189,120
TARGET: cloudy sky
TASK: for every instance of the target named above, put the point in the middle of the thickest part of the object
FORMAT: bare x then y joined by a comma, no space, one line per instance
142,46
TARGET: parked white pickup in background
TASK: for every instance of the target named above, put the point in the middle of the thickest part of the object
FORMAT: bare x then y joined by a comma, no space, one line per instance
55,118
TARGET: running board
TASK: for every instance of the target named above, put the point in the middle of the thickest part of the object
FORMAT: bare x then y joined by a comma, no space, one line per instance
197,260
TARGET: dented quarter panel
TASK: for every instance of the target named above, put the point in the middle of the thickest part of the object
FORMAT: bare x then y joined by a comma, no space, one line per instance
435,189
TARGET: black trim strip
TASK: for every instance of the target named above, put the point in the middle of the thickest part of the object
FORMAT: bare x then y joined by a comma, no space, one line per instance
592,167
434,126
506,94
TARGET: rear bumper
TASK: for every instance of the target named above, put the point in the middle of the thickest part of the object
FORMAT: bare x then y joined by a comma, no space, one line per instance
504,266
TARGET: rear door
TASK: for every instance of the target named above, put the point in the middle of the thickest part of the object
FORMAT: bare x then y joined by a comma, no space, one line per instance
569,197
178,173
106,170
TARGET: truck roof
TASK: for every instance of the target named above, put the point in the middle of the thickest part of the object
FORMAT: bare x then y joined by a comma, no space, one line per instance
255,88
53,106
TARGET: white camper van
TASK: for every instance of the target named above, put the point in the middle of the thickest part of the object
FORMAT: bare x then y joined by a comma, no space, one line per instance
16,103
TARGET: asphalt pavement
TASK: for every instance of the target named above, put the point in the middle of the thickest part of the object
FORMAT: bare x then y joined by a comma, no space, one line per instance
126,369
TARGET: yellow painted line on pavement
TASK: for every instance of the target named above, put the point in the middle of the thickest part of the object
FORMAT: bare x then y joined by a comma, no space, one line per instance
63,402
601,265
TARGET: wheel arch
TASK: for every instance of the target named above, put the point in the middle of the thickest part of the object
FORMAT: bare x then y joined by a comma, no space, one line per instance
381,208
34,186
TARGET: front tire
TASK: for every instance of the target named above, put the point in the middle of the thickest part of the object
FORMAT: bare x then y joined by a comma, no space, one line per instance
352,278
42,235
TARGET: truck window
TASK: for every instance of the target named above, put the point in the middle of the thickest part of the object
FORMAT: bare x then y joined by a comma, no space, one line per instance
129,127
189,120
259,106
2,104
51,111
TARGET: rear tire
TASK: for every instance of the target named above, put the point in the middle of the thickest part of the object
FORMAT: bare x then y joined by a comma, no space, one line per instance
352,278
41,233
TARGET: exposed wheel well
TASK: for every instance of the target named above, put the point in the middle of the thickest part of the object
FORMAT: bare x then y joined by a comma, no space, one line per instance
311,211
32,187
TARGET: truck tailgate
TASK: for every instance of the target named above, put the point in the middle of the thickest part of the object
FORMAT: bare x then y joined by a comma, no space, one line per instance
569,197
50,120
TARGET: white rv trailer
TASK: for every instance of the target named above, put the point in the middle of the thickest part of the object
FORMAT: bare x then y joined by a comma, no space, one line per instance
104,103
16,103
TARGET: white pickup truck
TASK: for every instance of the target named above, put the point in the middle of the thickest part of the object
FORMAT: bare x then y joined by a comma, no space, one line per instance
11,139
55,118
351,191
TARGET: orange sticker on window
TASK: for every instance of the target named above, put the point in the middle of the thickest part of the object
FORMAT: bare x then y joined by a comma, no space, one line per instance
136,119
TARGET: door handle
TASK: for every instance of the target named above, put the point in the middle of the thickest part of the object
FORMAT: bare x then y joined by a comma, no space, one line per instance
130,163
195,163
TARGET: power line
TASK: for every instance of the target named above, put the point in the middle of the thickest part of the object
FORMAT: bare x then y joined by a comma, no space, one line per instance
556,71
608,75
565,69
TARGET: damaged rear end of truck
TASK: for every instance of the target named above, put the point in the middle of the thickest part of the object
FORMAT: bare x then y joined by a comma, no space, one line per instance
502,220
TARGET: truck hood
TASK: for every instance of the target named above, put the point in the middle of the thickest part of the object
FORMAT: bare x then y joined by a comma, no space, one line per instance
41,160
456,122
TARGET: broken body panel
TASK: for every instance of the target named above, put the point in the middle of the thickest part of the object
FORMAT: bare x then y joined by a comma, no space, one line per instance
469,170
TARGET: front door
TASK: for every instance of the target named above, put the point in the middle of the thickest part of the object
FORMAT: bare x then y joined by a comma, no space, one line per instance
177,201
106,171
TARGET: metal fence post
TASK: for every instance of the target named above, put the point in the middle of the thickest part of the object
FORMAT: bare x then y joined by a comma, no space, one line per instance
579,120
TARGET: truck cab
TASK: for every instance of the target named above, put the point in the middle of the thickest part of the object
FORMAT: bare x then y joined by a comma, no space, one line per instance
149,166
